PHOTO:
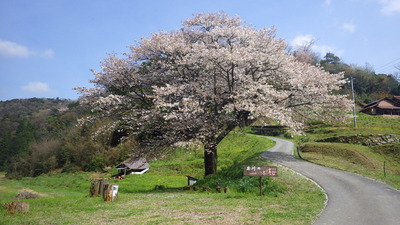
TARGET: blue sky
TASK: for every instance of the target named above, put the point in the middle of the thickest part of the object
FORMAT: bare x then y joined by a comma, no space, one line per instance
47,47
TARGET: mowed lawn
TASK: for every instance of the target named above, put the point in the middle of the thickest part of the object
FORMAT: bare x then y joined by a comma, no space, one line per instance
157,197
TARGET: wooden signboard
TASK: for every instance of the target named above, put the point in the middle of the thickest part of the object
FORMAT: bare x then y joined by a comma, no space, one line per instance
260,171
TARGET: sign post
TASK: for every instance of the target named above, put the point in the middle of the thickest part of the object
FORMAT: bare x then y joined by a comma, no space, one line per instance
260,171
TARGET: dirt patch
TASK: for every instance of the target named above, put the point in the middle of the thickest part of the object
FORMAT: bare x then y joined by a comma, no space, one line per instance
26,193
184,209
96,176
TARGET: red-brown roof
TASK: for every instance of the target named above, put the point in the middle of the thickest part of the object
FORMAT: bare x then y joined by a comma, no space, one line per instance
384,103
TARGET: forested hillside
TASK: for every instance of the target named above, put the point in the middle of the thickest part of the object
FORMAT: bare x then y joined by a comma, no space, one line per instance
14,112
368,85
41,135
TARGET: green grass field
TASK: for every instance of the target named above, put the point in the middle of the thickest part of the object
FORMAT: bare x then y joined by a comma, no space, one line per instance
288,198
380,162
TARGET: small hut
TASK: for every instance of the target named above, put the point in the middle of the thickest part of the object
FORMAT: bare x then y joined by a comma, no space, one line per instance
384,106
133,166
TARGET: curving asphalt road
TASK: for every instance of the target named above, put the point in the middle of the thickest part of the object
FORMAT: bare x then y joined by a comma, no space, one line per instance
352,199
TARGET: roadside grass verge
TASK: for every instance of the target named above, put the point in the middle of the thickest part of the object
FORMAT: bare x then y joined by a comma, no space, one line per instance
381,162
366,125
65,196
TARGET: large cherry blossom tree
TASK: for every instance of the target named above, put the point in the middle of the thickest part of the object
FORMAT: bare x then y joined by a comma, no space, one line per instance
205,79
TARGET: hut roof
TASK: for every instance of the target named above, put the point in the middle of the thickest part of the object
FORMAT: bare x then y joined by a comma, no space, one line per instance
135,164
384,103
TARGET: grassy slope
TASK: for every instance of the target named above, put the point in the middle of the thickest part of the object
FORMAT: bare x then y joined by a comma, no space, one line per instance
65,196
364,160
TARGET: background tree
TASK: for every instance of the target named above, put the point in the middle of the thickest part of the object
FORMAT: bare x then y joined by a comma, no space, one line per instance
5,150
396,74
330,58
368,85
203,80
305,53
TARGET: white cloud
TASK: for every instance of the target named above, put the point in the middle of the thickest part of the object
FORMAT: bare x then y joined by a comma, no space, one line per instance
49,53
350,27
390,7
327,2
9,49
12,49
36,87
304,40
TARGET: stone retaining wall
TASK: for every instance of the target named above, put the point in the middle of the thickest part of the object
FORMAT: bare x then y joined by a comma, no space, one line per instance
367,140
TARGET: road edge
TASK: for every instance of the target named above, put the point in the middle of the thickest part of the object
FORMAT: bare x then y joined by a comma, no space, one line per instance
302,175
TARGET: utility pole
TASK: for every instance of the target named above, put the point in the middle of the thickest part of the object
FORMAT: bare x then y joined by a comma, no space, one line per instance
354,103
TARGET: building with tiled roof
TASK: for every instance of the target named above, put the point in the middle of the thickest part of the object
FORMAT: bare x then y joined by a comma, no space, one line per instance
383,106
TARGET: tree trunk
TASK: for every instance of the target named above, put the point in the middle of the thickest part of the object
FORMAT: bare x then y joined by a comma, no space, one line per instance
210,158
110,192
94,188
97,187
210,149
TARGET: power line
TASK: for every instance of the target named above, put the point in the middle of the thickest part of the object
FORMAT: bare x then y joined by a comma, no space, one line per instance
386,69
388,66
389,69
389,63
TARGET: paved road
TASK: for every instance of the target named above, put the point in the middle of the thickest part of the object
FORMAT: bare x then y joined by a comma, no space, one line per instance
352,199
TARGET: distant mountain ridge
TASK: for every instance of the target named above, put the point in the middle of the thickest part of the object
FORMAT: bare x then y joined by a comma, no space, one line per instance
17,107
12,112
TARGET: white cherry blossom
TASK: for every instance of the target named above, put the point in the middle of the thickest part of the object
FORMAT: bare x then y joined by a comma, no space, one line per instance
201,81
